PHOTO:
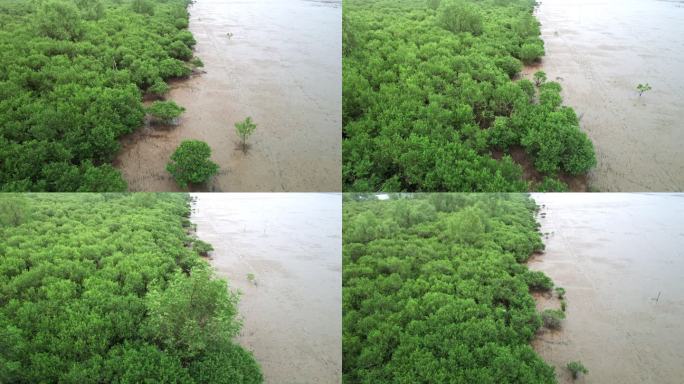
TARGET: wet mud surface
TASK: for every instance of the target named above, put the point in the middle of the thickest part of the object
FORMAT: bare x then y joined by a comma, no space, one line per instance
620,259
599,50
291,303
278,61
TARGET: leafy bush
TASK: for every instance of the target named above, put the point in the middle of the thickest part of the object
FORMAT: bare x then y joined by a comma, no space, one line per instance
434,291
531,52
191,164
576,368
165,111
202,248
538,281
99,288
461,17
560,291
552,318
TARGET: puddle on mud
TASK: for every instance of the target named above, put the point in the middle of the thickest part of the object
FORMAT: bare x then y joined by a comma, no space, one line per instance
615,254
292,245
600,50
282,67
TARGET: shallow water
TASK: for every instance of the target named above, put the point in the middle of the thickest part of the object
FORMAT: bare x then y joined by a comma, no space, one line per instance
292,245
281,65
620,257
599,50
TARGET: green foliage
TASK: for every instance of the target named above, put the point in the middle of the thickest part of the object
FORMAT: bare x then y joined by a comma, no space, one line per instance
191,312
564,305
434,290
202,248
576,368
431,99
531,52
166,111
551,184
538,281
59,20
191,163
641,88
461,17
552,318
99,288
244,129
539,78
560,291
73,73
433,4
144,7
159,88
12,209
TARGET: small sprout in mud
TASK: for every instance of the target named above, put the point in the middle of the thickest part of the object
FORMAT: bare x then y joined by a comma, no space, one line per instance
191,163
244,130
552,318
165,111
564,305
539,78
202,248
196,62
560,291
251,278
577,368
641,88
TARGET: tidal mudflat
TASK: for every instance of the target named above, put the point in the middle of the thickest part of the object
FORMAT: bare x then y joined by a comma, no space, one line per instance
278,61
599,51
283,252
619,257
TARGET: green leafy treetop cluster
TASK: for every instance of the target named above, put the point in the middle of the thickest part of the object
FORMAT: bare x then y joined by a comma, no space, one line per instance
73,73
191,163
100,288
165,111
435,290
432,100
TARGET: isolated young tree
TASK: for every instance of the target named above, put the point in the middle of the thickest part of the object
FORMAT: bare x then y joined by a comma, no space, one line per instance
539,78
191,164
641,88
165,111
244,130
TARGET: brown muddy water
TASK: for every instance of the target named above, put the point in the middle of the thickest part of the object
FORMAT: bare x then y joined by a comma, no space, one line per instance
621,258
292,308
278,61
599,50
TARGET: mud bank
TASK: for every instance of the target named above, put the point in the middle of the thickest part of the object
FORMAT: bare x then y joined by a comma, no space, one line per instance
291,244
599,50
278,61
619,256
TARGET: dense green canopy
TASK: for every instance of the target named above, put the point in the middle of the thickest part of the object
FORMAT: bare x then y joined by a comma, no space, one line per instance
108,288
73,74
432,97
434,290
